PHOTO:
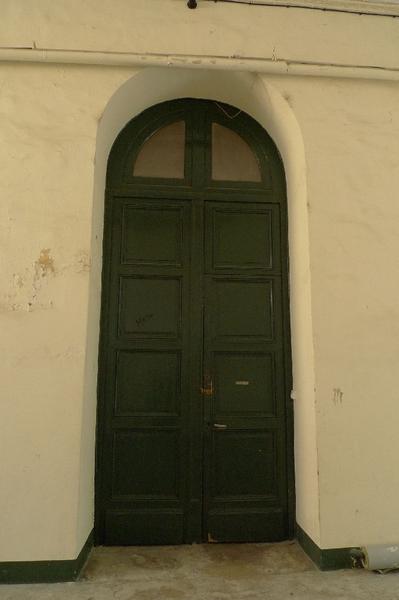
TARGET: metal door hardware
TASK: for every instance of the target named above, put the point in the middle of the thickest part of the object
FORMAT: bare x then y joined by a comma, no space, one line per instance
207,388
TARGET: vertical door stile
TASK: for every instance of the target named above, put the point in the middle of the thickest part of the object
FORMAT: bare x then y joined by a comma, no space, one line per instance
193,532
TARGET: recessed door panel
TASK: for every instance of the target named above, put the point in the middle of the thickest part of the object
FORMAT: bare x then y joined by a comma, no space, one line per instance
243,237
244,465
139,471
152,235
158,526
243,308
150,306
147,383
244,384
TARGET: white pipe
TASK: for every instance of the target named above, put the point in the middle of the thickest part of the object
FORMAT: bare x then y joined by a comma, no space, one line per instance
258,65
381,8
381,558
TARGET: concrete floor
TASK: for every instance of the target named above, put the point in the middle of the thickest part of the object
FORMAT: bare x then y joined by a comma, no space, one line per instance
210,572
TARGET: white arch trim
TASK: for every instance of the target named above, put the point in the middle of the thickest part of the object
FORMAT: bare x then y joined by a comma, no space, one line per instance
254,94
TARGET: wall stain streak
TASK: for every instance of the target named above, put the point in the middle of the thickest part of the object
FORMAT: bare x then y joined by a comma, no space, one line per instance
337,396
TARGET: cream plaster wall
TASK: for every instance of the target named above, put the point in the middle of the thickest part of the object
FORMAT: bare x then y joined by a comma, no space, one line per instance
340,143
351,135
351,132
49,119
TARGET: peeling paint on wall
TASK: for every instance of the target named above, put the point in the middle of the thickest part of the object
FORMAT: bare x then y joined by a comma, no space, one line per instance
45,263
44,267
26,291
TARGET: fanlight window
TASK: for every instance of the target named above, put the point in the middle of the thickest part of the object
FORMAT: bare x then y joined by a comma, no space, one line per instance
232,158
162,155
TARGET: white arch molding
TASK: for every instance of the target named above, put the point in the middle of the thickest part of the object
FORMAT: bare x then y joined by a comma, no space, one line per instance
256,95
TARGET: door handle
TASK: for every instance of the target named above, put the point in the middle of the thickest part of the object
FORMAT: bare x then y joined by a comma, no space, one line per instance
219,426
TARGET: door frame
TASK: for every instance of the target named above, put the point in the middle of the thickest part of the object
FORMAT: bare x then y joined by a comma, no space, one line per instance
162,113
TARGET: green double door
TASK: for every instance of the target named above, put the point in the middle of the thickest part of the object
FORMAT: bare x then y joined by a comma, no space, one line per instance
193,442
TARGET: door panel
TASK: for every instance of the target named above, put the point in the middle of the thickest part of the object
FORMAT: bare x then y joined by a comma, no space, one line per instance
244,465
148,379
135,527
155,474
243,237
245,384
243,349
152,235
242,308
150,306
155,378
259,525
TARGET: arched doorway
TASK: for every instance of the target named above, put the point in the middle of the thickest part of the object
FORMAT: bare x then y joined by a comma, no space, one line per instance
194,424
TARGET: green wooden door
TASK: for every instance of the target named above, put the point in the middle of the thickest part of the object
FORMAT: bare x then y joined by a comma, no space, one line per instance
194,436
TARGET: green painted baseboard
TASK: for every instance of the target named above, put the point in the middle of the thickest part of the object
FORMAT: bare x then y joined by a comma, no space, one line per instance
46,571
52,571
330,559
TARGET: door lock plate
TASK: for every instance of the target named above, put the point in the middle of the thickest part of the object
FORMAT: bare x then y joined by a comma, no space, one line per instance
207,391
207,388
